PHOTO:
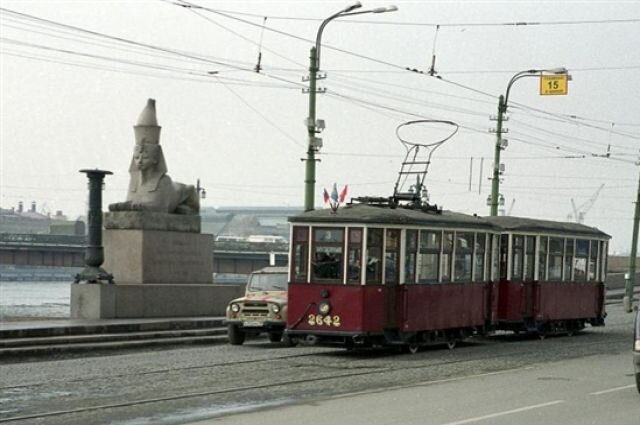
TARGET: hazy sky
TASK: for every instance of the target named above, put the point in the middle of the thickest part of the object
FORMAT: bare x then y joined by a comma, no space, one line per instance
75,75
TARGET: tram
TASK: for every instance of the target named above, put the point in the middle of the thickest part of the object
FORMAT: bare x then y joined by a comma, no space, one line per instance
379,274
398,271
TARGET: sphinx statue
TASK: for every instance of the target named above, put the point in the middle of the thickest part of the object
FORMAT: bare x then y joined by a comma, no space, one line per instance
150,187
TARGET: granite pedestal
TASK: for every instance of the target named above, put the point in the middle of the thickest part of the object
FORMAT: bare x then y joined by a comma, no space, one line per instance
162,267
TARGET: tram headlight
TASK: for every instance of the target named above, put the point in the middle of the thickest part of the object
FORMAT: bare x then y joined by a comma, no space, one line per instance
235,308
324,308
275,308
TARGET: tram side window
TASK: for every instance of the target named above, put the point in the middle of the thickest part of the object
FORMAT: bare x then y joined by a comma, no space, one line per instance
410,250
580,260
568,259
556,249
328,254
463,256
494,256
542,258
530,257
430,245
603,261
593,260
354,256
517,257
374,256
504,247
392,256
480,249
300,247
445,260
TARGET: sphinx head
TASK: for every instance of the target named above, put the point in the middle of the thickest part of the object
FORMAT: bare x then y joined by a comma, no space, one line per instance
146,156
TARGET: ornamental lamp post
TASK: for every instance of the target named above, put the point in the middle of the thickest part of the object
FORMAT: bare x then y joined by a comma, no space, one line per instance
503,102
94,254
316,126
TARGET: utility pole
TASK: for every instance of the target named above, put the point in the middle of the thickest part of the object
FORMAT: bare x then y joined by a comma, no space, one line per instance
631,277
495,181
503,103
315,143
316,126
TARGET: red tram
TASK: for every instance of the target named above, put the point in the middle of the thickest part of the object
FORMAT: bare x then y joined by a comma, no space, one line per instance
383,274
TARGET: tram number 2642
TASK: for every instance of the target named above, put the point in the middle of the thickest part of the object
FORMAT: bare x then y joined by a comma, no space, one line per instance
320,320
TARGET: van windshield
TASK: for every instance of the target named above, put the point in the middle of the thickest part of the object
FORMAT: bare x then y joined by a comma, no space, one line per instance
268,282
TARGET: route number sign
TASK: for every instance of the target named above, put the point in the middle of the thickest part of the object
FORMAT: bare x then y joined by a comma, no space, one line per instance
554,84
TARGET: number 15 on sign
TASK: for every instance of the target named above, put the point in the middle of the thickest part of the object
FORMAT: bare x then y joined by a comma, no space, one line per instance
554,84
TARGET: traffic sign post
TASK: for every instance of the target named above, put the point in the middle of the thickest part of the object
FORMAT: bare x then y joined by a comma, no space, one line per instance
551,85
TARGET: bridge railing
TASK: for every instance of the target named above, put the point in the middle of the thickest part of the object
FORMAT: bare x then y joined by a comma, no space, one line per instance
42,239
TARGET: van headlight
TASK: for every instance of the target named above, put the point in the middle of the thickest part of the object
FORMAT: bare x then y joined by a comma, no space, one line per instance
235,308
636,346
275,308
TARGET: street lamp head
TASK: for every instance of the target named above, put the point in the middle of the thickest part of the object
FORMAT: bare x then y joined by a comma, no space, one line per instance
391,8
560,70
354,6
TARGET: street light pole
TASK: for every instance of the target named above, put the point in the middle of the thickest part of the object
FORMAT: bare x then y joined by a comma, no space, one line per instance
503,102
316,126
631,276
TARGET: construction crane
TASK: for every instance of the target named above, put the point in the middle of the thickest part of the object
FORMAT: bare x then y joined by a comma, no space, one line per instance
580,211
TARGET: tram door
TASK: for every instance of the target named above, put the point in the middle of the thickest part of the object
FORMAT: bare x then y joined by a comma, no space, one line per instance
392,276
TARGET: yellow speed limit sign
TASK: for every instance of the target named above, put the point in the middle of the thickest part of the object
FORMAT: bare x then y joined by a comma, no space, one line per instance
554,84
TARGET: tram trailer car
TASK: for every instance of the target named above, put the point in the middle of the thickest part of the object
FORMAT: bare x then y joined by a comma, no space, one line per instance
372,275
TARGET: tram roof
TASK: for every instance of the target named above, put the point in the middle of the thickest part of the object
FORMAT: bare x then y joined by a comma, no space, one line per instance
522,224
369,214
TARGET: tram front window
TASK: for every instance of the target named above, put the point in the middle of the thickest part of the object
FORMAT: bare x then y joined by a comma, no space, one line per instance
328,254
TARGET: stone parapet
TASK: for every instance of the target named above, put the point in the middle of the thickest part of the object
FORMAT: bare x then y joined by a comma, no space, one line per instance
110,301
151,220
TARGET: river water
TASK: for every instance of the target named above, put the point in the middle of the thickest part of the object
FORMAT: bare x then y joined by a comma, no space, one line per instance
34,299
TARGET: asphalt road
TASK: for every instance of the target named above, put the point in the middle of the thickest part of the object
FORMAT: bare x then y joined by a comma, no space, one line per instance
488,380
590,390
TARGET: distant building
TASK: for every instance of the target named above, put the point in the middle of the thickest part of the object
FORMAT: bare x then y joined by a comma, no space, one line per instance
21,221
259,223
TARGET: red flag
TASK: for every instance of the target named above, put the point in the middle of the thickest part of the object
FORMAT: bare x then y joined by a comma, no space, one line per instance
343,193
325,194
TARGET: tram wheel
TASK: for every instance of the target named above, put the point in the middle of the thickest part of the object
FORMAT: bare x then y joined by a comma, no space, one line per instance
290,341
236,335
413,348
570,328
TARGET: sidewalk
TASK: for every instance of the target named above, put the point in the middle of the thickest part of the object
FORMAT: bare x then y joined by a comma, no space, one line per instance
47,337
62,326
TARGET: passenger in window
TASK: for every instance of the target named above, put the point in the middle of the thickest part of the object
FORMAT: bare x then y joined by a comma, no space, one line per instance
354,270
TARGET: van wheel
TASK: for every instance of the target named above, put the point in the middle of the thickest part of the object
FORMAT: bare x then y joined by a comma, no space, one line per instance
235,335
275,336
638,381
